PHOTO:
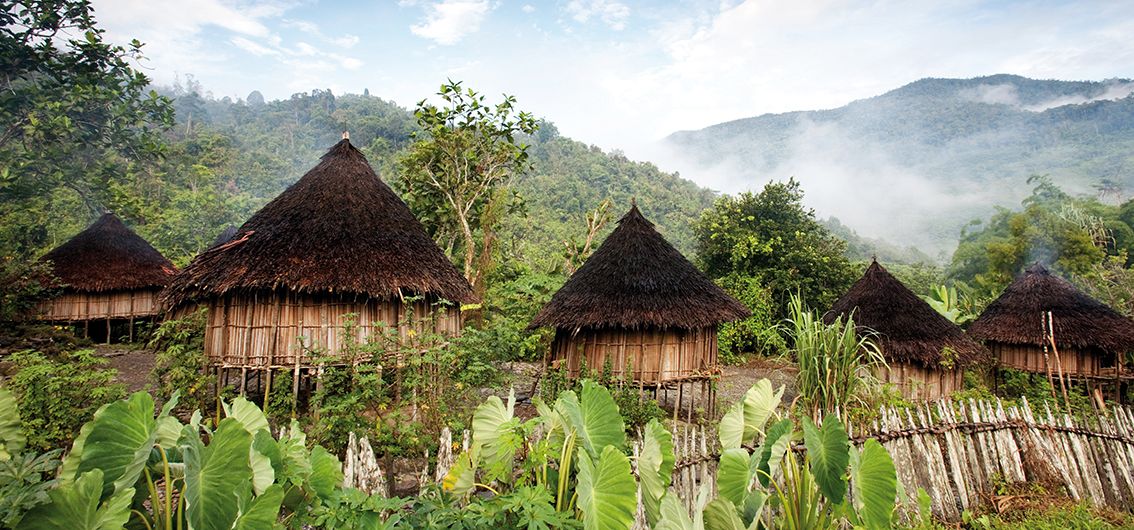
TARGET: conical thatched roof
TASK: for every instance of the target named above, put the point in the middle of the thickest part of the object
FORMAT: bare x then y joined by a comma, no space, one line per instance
338,229
109,256
637,279
1081,322
909,330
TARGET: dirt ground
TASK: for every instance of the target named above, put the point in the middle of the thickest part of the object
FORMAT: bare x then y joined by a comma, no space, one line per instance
133,366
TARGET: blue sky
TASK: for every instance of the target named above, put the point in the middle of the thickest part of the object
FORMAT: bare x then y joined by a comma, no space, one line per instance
620,73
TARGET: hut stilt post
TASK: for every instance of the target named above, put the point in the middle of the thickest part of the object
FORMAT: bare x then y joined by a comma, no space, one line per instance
267,387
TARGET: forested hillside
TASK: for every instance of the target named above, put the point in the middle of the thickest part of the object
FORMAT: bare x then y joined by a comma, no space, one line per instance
953,147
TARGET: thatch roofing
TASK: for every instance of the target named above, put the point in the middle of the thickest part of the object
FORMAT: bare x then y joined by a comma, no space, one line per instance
108,256
1081,322
338,229
637,279
908,329
225,236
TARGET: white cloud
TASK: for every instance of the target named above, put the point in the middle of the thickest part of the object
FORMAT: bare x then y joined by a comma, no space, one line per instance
253,48
612,13
311,28
448,21
528,8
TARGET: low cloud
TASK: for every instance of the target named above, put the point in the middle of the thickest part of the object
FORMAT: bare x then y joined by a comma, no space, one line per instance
612,13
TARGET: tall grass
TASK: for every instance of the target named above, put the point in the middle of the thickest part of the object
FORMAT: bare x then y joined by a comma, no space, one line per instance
836,364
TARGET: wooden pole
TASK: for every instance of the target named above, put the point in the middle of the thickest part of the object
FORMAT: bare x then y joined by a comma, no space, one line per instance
1058,361
267,388
1046,360
108,330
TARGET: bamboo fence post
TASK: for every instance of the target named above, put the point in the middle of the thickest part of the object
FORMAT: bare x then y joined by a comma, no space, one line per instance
1058,361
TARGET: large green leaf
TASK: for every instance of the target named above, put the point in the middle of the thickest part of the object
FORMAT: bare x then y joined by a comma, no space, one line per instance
494,430
248,414
736,474
595,418
262,512
721,514
76,506
673,515
462,476
745,420
828,450
326,472
213,475
655,467
12,439
118,442
607,492
776,444
875,484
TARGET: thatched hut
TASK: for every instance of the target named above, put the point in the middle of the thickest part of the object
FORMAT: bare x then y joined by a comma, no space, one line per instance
926,353
638,301
336,251
107,273
225,236
1090,339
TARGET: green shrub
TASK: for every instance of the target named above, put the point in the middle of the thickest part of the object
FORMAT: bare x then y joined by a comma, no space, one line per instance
58,395
757,334
180,363
21,287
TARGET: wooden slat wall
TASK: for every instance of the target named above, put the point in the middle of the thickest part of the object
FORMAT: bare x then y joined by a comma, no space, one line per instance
280,328
1030,359
77,307
655,355
917,382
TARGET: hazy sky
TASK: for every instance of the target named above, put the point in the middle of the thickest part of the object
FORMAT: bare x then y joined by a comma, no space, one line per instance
620,74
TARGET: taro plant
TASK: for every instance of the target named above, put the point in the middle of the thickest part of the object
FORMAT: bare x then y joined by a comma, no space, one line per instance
130,467
766,485
573,456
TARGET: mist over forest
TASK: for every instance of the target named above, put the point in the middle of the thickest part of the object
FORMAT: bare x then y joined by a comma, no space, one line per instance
915,165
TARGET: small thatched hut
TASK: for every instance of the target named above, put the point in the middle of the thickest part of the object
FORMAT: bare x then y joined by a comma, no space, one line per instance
225,236
638,301
925,352
108,273
1091,339
338,242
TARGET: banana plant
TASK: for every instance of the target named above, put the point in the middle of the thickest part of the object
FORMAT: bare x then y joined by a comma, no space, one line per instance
128,465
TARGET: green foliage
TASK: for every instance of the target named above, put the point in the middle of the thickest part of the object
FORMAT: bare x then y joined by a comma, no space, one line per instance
835,361
606,490
771,236
78,117
22,285
757,333
78,505
25,480
828,453
179,361
57,396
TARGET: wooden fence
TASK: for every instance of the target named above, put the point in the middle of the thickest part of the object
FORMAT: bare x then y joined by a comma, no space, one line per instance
958,452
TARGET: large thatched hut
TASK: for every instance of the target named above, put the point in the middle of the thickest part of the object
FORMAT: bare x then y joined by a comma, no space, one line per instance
638,301
336,251
926,353
1090,339
108,274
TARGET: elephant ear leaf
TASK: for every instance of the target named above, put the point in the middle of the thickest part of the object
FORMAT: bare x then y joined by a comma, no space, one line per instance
326,472
12,439
76,505
118,442
594,418
828,451
263,512
462,476
494,430
744,422
607,492
735,475
214,474
248,414
673,515
721,514
875,485
655,468
776,444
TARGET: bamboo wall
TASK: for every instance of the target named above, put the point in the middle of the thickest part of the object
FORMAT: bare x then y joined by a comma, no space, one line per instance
282,329
656,355
1031,359
79,306
917,382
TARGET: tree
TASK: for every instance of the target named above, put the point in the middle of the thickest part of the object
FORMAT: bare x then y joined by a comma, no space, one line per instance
456,174
74,113
771,236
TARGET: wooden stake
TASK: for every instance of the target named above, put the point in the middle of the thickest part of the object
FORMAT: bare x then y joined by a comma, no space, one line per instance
1058,361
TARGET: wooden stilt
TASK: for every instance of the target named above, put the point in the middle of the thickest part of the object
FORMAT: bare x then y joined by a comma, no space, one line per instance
243,380
267,388
108,330
295,389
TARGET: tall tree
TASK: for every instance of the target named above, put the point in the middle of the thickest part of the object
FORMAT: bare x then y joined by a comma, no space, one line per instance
771,236
456,174
74,113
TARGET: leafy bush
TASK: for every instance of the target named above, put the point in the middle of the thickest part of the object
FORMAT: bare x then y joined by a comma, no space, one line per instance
22,285
179,362
756,334
25,479
57,396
